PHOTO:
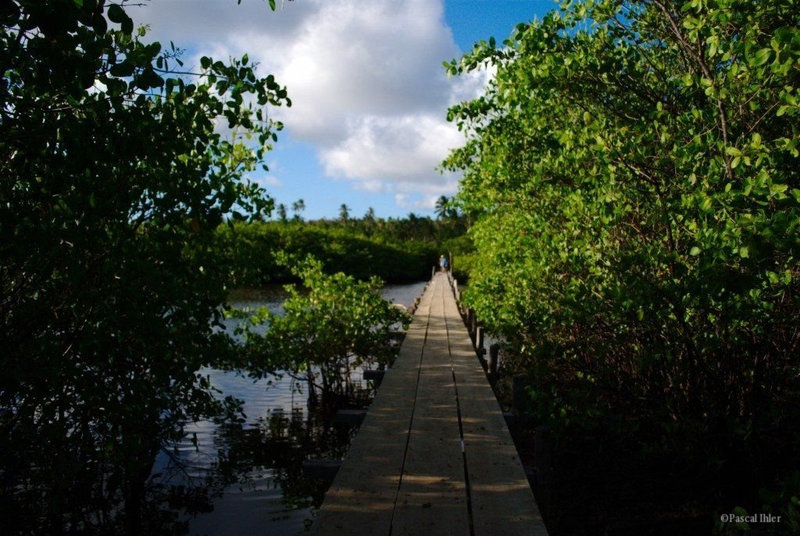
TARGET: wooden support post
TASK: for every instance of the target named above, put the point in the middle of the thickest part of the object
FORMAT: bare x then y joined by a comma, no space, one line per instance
470,323
479,348
473,323
494,353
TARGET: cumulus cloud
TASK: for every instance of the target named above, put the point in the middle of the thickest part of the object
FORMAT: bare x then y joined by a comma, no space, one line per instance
205,24
365,78
355,58
402,147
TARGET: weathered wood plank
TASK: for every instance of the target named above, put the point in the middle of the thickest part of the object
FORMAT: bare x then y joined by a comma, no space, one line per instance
502,501
362,497
404,474
432,499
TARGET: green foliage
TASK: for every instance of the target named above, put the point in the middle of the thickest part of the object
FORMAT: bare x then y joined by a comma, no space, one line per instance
633,174
111,171
396,250
330,326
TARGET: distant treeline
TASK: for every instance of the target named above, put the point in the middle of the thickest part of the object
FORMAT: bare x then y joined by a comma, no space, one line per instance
396,250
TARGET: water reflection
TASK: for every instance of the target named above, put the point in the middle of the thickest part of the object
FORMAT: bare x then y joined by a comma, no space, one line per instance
251,471
266,490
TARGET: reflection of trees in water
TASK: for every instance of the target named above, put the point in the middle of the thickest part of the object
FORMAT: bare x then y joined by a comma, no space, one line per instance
272,451
279,444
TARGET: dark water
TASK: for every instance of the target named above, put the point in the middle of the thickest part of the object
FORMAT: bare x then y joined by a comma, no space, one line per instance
255,467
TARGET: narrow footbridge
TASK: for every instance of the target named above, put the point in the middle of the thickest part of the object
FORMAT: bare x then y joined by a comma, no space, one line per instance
433,455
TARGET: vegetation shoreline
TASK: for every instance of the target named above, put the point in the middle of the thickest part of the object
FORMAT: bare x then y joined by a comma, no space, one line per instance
401,250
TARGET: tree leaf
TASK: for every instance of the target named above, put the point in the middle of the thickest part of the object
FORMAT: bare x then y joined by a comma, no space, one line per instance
761,57
116,13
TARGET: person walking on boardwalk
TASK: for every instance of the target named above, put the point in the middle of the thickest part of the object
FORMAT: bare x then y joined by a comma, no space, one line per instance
443,263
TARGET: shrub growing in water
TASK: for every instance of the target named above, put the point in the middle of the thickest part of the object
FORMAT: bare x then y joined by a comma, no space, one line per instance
329,326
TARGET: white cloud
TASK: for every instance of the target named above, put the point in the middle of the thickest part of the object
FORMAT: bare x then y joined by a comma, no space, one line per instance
406,148
353,58
204,24
365,78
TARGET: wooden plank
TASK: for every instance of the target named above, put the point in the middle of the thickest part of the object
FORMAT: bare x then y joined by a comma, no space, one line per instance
361,498
432,499
404,474
501,498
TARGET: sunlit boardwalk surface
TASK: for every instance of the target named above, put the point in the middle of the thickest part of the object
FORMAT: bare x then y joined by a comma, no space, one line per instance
433,455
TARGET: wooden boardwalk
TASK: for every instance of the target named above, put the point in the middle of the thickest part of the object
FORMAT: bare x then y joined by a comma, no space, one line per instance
433,455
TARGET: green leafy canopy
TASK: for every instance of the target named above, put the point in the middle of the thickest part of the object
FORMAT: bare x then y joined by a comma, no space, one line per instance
633,173
329,326
113,177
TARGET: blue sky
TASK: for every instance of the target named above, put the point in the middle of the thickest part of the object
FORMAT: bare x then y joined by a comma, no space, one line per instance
367,127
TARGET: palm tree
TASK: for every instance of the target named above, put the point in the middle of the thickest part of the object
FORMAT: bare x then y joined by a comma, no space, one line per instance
441,208
282,213
298,207
344,213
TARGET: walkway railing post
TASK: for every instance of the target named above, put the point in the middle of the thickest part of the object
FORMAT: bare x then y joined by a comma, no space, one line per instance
494,353
473,323
479,349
